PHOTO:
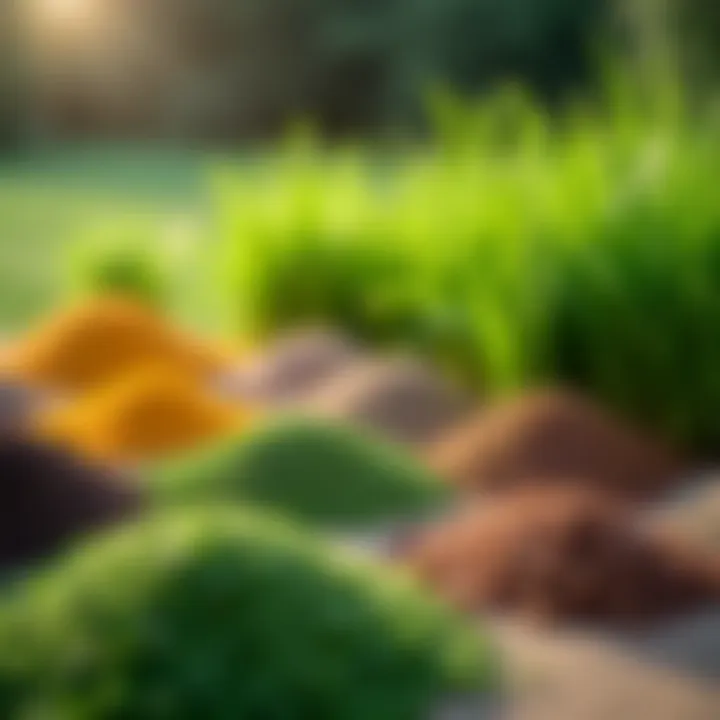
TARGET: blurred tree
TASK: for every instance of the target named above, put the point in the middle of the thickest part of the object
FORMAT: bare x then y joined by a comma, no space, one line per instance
245,68
9,85
549,45
675,40
699,23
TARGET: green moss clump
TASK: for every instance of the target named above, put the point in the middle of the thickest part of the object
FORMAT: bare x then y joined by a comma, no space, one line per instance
221,614
312,470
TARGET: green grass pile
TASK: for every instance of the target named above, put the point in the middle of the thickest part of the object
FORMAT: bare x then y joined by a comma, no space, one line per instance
228,615
312,470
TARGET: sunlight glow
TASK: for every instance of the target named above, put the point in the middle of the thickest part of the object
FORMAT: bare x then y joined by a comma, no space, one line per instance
67,13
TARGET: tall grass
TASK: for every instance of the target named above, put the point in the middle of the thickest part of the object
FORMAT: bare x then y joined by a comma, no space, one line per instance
516,249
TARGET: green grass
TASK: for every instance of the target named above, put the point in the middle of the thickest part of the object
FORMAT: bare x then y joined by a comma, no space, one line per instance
515,249
59,197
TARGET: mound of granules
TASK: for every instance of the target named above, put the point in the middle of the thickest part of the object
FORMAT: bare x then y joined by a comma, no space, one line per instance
150,412
294,366
399,398
94,342
228,614
560,554
312,470
47,498
553,434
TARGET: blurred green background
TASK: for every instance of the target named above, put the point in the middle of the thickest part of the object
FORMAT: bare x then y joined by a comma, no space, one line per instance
524,190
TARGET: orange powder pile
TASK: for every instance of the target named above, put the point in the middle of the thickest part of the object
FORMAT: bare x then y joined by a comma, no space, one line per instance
146,414
92,343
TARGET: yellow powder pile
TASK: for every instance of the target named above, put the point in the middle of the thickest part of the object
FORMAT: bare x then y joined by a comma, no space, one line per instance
92,343
145,414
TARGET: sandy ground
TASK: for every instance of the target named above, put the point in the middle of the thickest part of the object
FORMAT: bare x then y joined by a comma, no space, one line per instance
669,672
672,673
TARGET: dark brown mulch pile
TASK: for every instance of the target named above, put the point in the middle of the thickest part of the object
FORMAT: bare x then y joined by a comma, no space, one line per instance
554,434
398,398
47,498
560,554
295,366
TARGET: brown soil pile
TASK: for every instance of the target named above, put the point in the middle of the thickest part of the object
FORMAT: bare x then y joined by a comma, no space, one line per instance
399,398
561,554
295,366
48,498
553,434
94,342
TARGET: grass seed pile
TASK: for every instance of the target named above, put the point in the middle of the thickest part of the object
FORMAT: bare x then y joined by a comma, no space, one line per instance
309,469
229,615
399,398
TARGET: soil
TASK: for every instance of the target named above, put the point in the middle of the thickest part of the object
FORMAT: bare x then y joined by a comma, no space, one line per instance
554,434
562,555
48,498
399,398
294,366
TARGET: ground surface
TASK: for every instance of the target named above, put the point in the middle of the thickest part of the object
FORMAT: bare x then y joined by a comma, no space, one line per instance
669,672
669,675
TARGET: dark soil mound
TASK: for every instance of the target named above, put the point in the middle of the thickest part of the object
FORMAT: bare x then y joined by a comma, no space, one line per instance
295,365
561,554
553,434
47,498
399,398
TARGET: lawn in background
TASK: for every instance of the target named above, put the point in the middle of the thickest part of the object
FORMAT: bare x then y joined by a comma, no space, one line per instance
52,197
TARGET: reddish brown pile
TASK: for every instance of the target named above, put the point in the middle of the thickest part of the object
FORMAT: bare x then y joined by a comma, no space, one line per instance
560,554
553,434
398,398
